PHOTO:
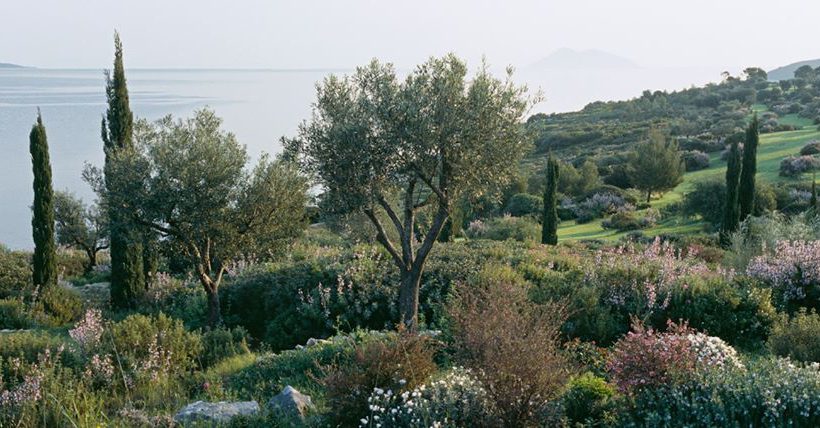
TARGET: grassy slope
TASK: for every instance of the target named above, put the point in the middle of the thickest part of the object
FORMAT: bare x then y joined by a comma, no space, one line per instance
773,148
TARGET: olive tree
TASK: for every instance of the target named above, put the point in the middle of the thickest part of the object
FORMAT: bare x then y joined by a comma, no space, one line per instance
82,227
424,141
187,180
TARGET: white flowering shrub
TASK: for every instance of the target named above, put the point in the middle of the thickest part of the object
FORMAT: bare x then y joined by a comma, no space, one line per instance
712,351
456,399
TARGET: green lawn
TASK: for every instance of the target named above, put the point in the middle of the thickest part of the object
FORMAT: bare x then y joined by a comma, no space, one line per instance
773,148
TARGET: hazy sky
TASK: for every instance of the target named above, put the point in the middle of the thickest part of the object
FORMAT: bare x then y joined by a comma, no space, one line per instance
344,33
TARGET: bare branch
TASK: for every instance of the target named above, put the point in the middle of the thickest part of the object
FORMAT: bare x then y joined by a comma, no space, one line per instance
381,236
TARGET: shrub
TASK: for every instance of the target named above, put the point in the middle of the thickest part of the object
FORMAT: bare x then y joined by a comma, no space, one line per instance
739,314
398,364
588,400
15,273
14,315
792,269
154,346
600,204
57,306
794,166
811,148
29,345
511,344
456,399
504,228
645,358
768,393
623,221
797,337
524,204
222,343
695,160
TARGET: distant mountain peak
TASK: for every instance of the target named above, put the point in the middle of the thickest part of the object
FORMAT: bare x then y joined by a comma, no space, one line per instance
566,58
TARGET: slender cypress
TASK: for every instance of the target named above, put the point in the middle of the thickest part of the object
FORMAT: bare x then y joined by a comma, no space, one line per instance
813,201
549,221
746,191
731,216
44,261
126,248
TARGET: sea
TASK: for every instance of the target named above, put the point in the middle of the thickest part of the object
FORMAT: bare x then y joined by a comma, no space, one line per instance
258,106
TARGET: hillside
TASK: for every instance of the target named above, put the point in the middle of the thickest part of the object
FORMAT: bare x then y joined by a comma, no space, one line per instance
9,65
786,72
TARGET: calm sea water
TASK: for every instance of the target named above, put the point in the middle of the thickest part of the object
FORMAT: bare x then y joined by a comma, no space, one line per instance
258,106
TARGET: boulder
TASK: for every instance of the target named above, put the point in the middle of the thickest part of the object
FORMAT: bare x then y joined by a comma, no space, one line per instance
291,402
313,342
219,412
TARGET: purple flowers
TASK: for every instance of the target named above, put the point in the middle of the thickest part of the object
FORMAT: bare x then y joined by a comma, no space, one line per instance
791,268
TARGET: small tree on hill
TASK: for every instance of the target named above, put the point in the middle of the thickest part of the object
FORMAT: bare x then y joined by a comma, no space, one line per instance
549,223
44,260
746,190
656,165
731,216
186,180
428,141
81,227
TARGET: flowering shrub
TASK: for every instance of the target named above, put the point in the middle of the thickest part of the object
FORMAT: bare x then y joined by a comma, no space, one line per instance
811,148
396,363
641,280
506,227
88,330
695,160
645,358
601,204
456,399
769,393
793,166
792,270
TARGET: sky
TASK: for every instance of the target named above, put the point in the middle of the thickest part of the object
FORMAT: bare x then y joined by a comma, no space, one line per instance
344,33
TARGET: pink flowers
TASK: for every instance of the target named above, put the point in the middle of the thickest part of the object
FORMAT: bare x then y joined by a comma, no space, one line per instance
791,268
647,358
89,330
646,277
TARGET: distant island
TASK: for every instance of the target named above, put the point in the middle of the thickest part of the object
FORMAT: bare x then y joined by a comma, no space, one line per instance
9,65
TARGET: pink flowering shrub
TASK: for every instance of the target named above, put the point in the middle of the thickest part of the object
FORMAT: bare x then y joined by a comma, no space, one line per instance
89,329
792,269
641,280
646,358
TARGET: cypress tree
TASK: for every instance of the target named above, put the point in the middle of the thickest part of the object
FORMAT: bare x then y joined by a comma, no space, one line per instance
731,213
813,201
126,246
746,191
549,220
44,261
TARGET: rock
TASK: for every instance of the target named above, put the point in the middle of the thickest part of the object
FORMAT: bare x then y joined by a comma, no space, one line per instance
219,412
292,402
313,342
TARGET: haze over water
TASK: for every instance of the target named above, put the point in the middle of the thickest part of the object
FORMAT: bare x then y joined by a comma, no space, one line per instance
258,106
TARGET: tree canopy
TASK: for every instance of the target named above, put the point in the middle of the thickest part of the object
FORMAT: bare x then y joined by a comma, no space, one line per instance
186,179
656,164
428,140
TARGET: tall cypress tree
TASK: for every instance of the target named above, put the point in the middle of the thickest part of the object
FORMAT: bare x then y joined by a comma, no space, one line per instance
126,246
813,200
746,191
731,213
549,220
44,261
